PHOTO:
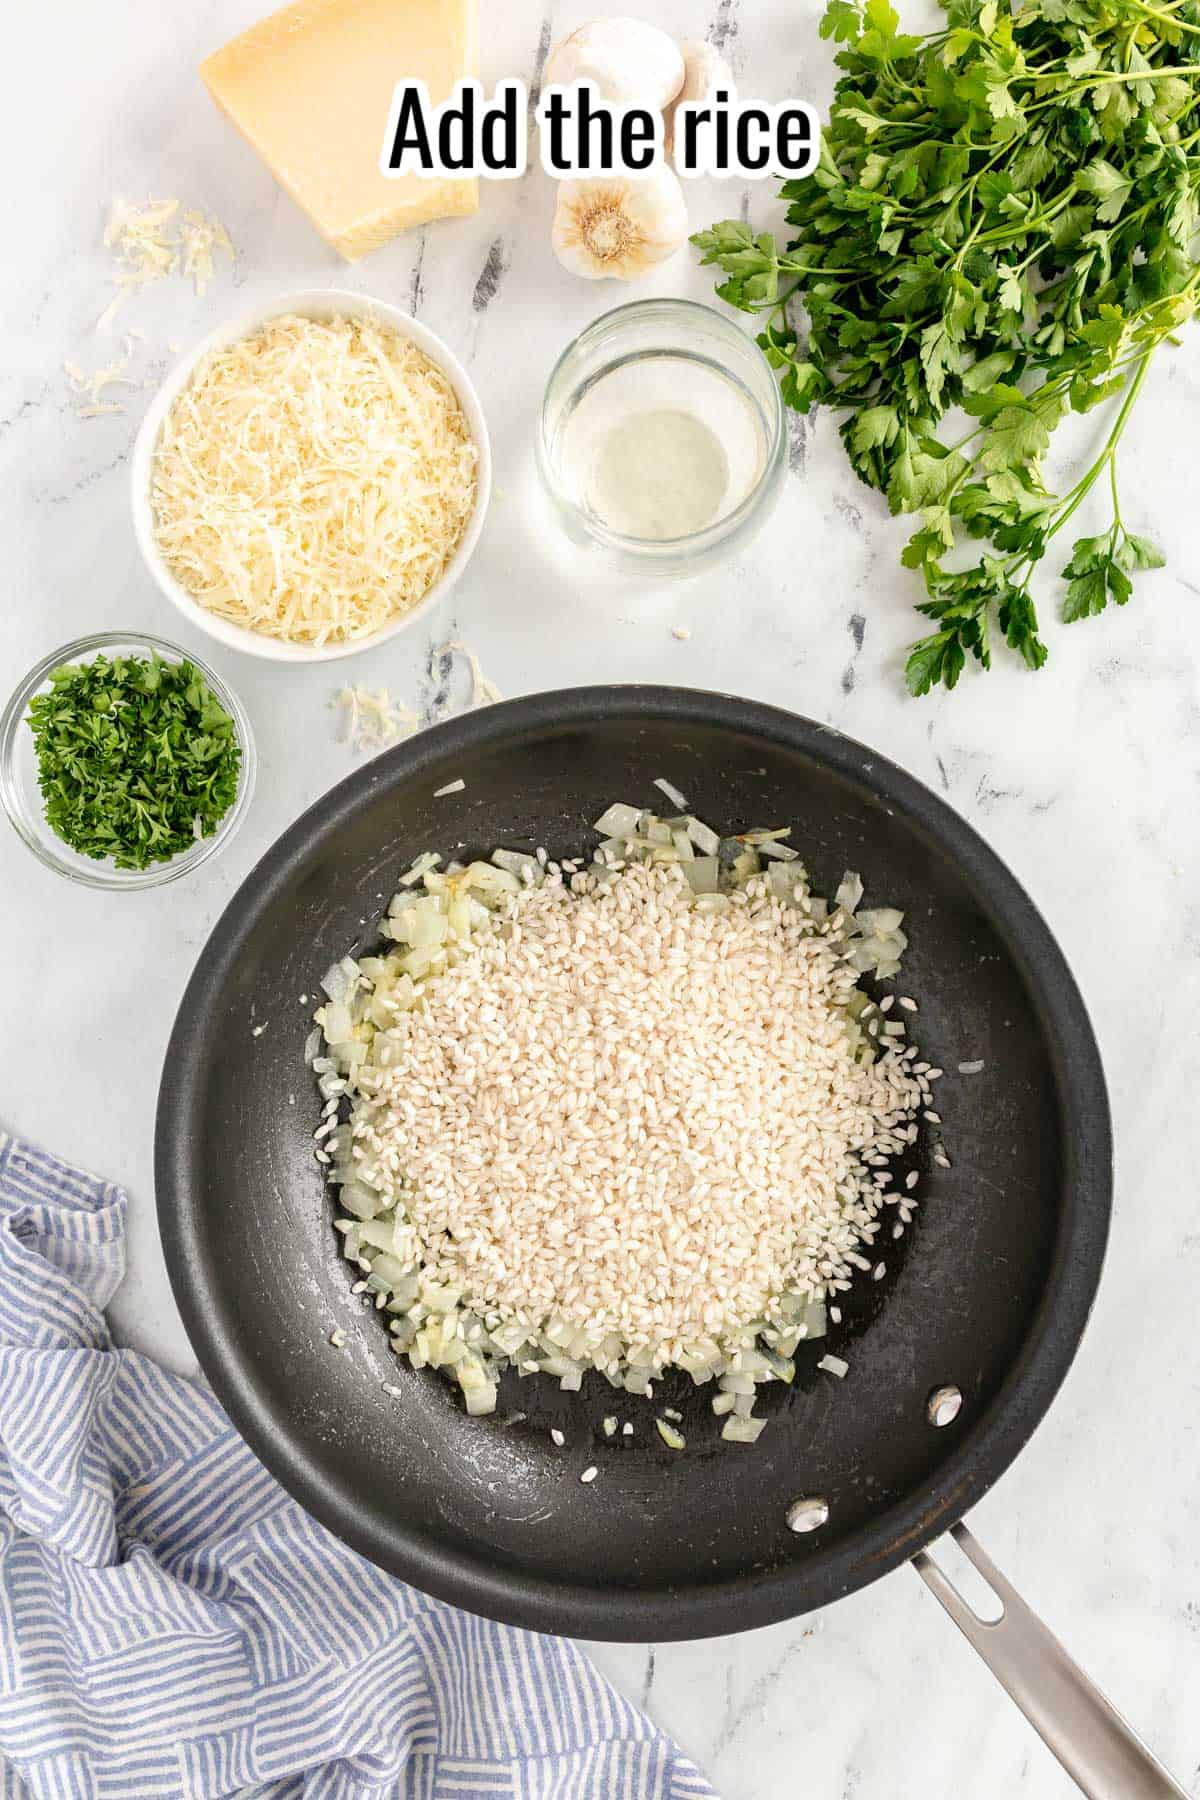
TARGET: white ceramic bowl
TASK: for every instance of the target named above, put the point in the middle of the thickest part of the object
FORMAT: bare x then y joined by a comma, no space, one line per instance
313,303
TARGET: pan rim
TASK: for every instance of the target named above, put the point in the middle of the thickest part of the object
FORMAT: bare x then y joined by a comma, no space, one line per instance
896,1533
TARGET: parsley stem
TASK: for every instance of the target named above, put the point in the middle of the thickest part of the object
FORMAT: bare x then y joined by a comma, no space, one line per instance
1083,488
1146,74
1105,78
1006,234
1169,18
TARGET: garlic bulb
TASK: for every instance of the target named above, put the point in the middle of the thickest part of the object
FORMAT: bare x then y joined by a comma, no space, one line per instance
632,63
704,68
619,225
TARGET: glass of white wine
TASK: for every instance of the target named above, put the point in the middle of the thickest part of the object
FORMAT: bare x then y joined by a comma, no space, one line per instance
662,439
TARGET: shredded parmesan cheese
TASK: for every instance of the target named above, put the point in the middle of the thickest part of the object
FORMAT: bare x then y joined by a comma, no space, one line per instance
373,720
149,245
314,479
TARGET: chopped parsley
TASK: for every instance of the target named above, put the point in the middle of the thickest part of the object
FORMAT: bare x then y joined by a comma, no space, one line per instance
137,758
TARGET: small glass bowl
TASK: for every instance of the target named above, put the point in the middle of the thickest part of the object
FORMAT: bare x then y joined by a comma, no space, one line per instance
19,770
663,346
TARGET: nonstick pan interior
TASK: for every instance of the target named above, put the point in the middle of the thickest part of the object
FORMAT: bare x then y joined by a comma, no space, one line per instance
989,1289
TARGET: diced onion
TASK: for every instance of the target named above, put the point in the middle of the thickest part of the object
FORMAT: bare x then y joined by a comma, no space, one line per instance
743,1431
707,841
703,874
516,862
341,979
850,891
619,821
673,794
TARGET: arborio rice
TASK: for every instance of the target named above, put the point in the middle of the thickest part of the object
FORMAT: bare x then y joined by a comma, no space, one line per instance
630,1117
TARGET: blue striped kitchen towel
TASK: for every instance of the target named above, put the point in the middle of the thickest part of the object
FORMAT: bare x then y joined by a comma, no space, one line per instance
171,1624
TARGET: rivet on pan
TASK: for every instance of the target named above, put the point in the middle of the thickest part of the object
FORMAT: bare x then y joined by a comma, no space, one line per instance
945,1404
807,1514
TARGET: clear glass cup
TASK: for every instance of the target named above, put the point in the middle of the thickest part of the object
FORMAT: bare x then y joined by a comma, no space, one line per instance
616,396
22,797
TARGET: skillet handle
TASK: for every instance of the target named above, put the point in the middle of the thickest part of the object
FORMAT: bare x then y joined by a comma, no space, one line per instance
1089,1737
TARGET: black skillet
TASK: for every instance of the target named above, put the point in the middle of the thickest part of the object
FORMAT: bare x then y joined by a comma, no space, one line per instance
989,1290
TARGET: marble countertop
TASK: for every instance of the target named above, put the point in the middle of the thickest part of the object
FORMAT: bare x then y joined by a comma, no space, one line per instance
1085,778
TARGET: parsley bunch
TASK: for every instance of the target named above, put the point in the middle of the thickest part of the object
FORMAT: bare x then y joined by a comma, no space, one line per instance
137,758
1002,222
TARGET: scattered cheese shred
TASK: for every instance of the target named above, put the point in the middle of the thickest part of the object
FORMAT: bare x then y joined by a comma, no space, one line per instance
89,389
143,238
373,720
314,479
484,692
200,235
149,244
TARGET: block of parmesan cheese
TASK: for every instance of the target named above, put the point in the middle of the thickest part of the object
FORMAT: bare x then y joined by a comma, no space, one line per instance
311,86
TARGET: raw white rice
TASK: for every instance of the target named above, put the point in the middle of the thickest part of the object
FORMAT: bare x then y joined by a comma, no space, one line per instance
610,1108
629,1118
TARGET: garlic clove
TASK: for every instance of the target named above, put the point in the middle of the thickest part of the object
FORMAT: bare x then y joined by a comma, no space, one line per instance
704,68
632,63
619,225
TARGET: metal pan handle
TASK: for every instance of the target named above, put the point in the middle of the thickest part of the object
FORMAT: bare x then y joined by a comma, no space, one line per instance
1088,1735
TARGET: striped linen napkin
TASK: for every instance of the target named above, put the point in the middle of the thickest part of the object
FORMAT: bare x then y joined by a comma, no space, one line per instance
171,1624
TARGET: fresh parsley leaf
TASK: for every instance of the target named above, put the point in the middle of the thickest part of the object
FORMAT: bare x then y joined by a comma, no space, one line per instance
1099,571
984,374
1143,554
1110,187
1019,623
1087,594
802,384
921,479
935,659
1010,294
875,428
1016,436
841,22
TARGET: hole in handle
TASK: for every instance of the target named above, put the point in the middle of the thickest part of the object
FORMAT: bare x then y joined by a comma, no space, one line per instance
972,1588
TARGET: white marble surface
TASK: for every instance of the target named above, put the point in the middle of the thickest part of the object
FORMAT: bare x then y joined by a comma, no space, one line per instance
1085,778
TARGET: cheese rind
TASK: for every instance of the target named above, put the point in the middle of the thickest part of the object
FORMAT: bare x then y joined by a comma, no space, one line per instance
311,86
